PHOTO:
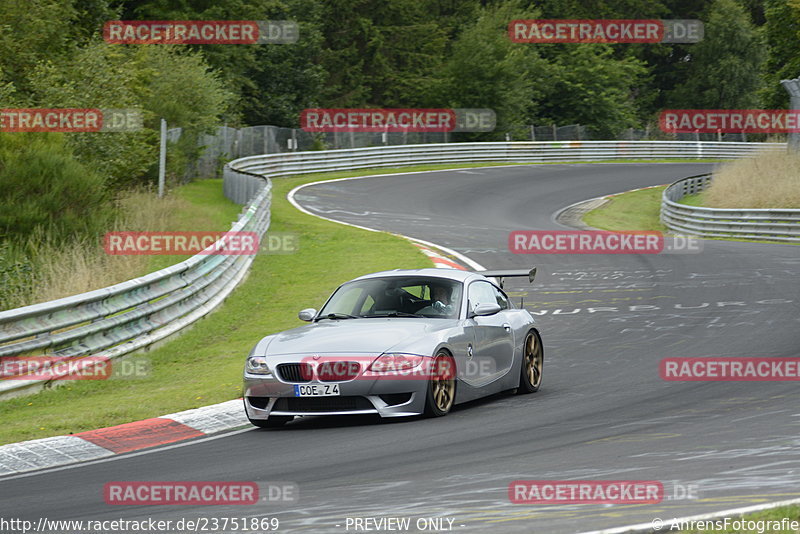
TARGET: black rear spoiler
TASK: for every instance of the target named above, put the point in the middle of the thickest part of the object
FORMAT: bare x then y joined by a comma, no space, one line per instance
500,274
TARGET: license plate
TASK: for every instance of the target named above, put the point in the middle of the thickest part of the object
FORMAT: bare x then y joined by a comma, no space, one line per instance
316,390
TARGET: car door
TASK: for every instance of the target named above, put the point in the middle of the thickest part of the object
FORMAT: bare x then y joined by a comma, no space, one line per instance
493,347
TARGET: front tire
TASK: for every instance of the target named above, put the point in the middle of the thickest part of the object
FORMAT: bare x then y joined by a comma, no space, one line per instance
441,385
532,364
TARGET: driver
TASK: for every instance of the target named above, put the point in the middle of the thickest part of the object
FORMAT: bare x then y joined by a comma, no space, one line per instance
440,296
442,300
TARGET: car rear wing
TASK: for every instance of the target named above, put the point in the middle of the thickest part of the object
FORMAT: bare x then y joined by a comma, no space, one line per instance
509,273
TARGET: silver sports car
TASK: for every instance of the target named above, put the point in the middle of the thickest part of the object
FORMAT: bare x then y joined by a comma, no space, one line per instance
397,343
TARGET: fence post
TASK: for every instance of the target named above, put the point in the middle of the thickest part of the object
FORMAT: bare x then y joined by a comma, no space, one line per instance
793,88
162,159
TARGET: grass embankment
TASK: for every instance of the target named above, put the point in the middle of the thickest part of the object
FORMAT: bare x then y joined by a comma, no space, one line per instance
60,269
84,266
204,365
770,180
635,210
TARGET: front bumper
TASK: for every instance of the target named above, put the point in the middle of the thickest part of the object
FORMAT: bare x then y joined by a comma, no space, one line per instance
267,395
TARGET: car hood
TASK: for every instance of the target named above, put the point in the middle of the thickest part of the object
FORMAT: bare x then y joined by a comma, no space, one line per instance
369,336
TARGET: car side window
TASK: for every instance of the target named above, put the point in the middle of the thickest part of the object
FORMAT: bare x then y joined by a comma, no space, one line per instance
501,298
481,293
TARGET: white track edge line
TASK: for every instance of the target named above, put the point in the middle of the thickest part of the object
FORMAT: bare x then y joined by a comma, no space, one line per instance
290,197
641,527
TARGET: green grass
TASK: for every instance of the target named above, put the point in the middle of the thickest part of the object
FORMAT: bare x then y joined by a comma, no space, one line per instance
635,210
696,200
776,514
204,365
639,210
210,211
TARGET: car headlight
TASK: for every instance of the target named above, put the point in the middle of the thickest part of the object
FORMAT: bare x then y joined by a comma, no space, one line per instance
257,365
388,363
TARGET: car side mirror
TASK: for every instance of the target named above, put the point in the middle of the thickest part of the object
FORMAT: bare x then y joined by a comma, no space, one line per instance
307,315
485,309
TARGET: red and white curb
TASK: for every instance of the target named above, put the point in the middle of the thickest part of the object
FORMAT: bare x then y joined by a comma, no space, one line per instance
57,451
62,450
438,260
16,458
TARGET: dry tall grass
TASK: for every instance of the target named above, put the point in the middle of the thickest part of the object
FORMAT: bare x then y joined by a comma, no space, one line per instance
63,270
768,180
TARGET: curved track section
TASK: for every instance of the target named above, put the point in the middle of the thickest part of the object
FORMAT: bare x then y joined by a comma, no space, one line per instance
602,413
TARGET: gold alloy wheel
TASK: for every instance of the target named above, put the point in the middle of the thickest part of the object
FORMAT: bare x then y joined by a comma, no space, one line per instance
533,360
443,382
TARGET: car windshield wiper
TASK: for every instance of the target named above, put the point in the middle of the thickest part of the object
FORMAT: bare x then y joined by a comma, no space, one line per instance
338,316
394,314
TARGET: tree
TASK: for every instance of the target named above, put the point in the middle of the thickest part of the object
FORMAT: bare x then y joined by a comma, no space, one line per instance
723,71
487,70
587,85
283,80
782,31
380,53
36,30
271,82
166,81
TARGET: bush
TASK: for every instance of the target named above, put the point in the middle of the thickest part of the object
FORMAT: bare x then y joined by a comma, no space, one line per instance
43,188
163,81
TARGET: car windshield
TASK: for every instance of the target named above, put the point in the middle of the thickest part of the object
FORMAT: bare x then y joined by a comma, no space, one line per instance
395,296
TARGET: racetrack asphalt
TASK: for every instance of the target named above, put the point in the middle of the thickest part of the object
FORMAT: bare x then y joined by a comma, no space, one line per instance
603,412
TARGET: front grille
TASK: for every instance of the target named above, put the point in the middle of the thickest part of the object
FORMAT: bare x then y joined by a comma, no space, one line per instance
337,371
297,373
321,404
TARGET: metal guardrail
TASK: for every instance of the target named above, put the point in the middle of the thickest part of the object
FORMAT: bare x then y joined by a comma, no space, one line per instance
767,224
285,164
117,320
111,322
